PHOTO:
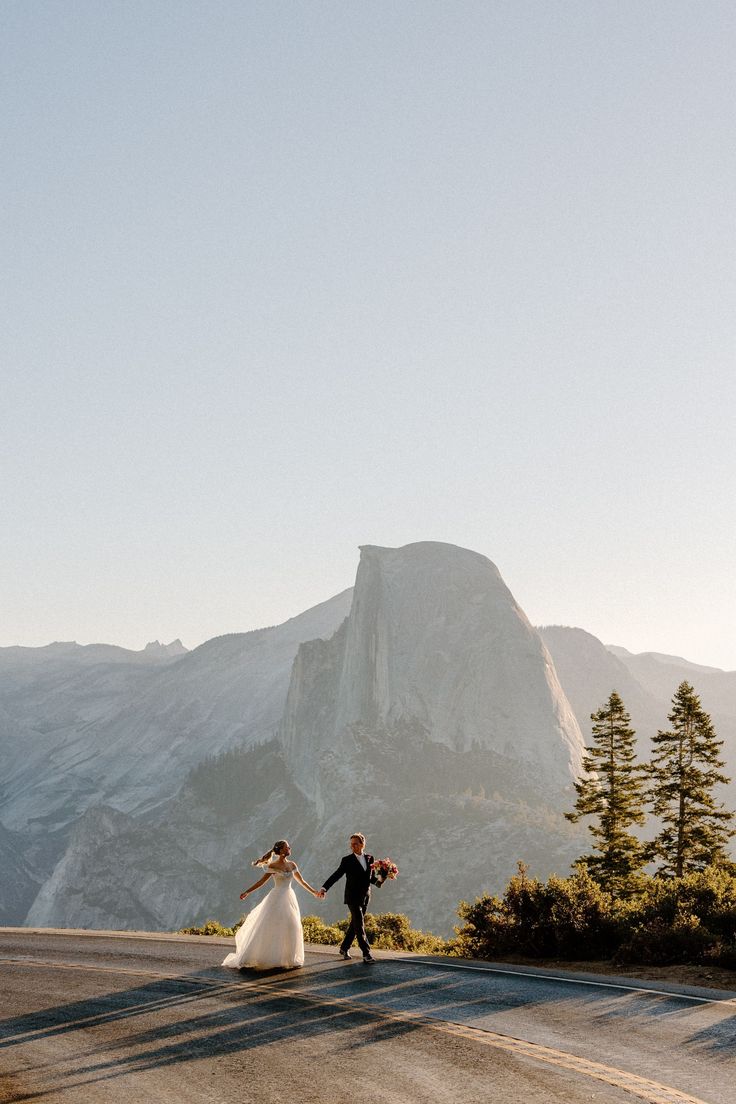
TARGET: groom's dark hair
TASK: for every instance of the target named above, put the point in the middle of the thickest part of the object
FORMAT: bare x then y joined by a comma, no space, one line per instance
360,836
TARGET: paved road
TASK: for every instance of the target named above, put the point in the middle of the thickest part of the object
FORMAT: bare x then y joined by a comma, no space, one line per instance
92,1018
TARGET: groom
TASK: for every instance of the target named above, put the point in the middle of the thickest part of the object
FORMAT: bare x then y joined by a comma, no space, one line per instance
358,877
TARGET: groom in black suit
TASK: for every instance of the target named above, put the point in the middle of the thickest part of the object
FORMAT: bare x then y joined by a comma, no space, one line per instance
358,878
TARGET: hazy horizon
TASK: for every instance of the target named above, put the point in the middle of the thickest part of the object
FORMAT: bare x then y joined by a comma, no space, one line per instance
284,280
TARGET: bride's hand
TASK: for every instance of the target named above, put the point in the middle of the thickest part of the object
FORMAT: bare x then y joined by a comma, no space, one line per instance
243,895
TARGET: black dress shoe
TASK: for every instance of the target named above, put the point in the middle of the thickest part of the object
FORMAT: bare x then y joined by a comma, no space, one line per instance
368,958
345,954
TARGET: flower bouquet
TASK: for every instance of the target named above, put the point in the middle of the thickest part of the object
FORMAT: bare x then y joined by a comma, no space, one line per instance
383,869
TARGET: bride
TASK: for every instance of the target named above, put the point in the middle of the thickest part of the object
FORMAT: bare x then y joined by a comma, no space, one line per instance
271,935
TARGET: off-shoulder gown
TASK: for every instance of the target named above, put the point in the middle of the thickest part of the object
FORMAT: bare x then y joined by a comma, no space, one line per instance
271,934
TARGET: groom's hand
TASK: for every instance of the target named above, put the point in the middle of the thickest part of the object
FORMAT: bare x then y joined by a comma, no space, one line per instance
322,893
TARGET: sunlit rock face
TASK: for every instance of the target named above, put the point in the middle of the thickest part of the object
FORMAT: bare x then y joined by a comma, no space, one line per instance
434,642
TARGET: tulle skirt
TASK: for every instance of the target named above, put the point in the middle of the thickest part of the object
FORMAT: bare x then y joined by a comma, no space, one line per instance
270,935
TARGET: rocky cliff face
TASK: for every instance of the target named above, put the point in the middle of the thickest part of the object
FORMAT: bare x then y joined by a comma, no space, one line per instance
434,642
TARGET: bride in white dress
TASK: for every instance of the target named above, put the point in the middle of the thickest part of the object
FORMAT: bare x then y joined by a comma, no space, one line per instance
271,935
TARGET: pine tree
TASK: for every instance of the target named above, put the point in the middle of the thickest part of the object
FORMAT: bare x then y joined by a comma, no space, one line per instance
685,767
612,790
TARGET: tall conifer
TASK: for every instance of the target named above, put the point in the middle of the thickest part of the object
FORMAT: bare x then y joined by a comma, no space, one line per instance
612,790
686,765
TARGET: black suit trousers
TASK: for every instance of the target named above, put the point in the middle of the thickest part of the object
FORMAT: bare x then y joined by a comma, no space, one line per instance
358,907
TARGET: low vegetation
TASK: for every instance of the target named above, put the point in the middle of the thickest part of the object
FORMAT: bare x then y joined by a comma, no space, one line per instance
212,927
660,921
388,931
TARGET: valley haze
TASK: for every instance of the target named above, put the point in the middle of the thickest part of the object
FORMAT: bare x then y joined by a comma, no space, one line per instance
420,707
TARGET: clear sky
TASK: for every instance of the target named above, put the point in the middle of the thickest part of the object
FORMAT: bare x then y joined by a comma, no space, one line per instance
283,278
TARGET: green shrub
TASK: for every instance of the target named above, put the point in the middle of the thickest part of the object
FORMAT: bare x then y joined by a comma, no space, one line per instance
721,953
710,895
660,942
392,931
388,931
658,920
316,931
556,919
688,919
211,927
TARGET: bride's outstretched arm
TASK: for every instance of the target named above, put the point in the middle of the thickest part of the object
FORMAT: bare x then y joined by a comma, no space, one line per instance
260,882
306,885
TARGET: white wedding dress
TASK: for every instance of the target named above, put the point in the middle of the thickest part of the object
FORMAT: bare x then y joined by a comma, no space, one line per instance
271,935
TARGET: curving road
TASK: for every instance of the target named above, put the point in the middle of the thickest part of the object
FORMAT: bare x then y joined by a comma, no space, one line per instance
93,1017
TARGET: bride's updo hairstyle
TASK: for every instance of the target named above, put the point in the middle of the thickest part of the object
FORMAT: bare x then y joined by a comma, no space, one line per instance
275,850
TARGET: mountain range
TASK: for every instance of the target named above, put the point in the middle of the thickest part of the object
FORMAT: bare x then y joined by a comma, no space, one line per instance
420,707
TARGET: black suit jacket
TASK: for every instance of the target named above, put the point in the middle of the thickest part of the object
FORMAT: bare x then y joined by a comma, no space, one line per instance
357,880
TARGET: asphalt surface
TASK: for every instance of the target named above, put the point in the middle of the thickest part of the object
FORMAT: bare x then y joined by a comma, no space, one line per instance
90,1018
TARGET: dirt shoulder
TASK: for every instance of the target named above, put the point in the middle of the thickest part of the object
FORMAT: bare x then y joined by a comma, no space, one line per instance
709,977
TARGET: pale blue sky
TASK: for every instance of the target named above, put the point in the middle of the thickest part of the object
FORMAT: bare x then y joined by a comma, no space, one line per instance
285,278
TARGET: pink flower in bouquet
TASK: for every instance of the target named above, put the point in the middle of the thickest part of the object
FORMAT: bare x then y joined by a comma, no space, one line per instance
384,869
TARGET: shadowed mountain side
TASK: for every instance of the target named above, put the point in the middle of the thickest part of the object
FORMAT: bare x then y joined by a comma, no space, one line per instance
427,806
455,822
588,673
18,885
124,735
189,857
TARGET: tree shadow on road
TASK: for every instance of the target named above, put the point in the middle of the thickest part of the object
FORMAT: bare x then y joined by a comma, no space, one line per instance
457,995
166,1022
718,1039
